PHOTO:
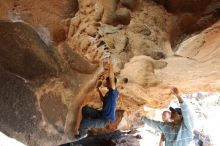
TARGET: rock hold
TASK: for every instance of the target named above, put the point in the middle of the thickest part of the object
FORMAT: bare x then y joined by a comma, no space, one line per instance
122,16
131,4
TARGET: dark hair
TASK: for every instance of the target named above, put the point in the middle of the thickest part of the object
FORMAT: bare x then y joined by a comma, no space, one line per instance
178,110
166,112
108,79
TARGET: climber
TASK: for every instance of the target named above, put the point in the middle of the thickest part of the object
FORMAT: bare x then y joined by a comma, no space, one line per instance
166,118
93,118
179,132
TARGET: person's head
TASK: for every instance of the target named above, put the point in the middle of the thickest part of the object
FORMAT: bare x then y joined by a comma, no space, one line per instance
166,116
176,115
108,83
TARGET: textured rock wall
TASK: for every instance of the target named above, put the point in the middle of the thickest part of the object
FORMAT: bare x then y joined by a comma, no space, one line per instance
51,51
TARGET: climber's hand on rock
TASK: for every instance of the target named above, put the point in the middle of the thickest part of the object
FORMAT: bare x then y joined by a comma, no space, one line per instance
110,63
174,91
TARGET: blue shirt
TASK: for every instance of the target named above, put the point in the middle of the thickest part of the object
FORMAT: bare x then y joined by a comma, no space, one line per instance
109,104
181,135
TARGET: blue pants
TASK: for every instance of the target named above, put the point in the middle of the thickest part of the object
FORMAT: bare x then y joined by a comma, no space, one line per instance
92,118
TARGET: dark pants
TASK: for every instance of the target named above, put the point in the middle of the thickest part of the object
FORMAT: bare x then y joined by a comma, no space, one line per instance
92,118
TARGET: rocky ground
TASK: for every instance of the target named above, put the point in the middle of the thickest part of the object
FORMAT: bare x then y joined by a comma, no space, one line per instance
116,138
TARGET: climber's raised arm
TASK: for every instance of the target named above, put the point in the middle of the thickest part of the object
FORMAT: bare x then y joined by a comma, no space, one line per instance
111,75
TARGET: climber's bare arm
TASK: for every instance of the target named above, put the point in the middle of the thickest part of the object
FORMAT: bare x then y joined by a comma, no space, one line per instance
111,75
175,91
99,91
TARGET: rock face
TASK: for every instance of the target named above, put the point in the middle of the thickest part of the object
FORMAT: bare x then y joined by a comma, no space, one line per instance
51,51
28,56
19,102
199,63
